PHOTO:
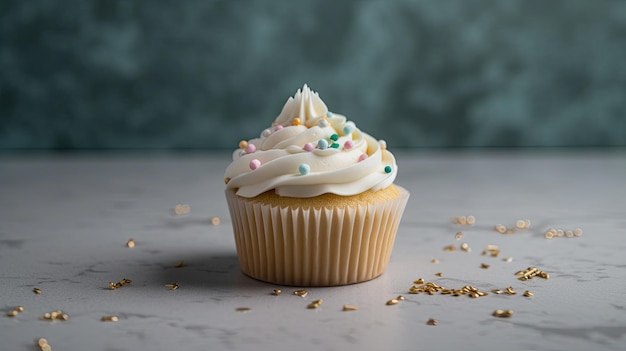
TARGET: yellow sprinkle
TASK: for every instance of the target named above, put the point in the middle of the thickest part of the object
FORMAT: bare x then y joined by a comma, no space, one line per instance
350,308
109,319
502,313
301,293
215,220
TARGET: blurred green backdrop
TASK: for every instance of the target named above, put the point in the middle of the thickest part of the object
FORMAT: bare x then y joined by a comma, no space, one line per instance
105,74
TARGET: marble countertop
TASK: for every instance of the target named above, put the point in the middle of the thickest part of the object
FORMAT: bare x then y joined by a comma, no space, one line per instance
65,221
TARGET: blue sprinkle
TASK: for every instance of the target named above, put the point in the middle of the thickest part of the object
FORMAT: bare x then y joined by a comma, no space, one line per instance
329,114
347,129
387,169
322,144
304,169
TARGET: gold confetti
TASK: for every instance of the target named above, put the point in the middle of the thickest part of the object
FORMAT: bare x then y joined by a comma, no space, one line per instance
349,308
119,284
301,293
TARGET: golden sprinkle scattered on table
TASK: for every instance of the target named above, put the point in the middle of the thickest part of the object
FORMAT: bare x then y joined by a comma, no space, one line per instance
434,260
484,266
315,304
400,298
465,247
243,309
449,248
43,344
419,281
182,209
276,292
180,264
530,273
301,293
215,220
172,286
37,291
349,308
392,302
431,321
502,313
507,259
109,319
55,315
119,284
130,243
458,235
528,294
439,274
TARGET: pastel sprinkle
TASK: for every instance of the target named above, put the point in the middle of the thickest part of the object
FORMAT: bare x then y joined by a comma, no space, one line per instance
334,137
243,144
387,169
348,129
254,164
266,133
383,144
250,148
362,157
308,147
329,114
304,169
322,123
334,145
348,144
322,144
278,127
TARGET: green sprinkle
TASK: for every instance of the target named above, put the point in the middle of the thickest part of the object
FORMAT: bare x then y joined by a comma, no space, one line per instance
334,145
334,137
387,169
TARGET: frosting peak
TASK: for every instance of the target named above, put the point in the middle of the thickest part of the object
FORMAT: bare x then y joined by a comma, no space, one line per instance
305,105
309,151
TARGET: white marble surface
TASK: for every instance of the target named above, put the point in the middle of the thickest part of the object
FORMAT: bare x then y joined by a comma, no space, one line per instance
65,220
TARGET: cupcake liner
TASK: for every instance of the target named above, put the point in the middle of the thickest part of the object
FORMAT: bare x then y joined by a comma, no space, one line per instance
314,246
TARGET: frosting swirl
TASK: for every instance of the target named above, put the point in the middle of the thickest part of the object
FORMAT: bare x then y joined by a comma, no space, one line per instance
309,151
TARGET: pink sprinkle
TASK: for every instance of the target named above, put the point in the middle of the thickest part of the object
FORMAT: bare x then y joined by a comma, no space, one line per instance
278,127
348,144
250,148
362,157
308,147
254,164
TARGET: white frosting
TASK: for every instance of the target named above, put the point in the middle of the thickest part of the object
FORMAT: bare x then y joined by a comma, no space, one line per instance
341,170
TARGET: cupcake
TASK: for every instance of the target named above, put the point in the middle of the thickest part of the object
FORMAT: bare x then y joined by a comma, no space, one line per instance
312,199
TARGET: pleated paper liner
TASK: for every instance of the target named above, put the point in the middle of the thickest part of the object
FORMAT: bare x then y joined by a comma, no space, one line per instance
307,246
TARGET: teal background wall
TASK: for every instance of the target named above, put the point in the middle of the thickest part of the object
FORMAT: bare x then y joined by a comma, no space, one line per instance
104,74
